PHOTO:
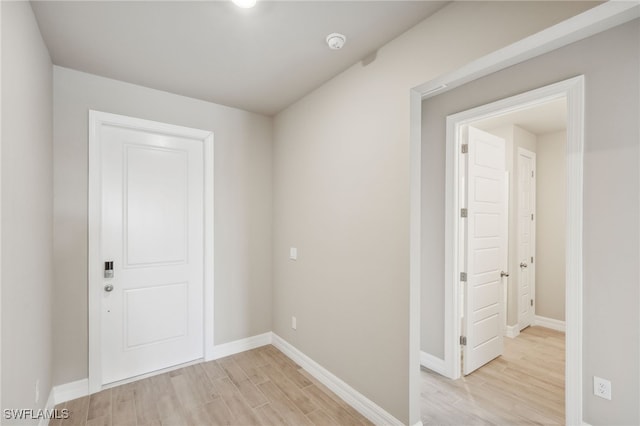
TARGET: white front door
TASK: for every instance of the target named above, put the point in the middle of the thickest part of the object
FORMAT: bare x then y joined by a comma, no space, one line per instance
486,247
526,236
152,231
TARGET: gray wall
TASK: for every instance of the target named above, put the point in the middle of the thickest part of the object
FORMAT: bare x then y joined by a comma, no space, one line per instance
551,208
341,196
242,150
27,194
610,62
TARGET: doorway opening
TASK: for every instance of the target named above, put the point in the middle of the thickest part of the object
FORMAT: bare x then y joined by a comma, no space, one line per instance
512,237
457,251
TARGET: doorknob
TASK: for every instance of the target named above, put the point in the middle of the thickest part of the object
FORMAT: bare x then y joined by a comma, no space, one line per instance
108,288
523,265
503,274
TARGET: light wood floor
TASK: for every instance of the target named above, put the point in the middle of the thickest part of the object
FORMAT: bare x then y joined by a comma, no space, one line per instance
257,387
524,386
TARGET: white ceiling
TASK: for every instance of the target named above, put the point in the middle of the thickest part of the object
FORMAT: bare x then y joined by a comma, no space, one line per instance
549,117
261,59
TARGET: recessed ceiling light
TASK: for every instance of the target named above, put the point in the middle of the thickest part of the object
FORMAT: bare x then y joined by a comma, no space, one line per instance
245,4
336,41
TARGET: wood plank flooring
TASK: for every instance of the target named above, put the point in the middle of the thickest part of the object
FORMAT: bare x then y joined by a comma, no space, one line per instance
264,387
258,387
524,386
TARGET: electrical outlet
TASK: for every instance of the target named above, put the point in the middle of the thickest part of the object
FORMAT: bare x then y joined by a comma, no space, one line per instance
601,387
293,253
293,323
37,391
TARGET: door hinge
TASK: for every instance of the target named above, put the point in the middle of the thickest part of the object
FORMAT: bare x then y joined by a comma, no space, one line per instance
531,173
465,148
531,302
531,216
464,212
463,340
463,276
531,259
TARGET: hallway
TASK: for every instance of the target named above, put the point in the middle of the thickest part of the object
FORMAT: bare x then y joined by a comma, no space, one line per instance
523,386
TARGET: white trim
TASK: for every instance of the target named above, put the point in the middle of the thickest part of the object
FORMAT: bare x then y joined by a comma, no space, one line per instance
512,331
359,402
208,277
573,90
69,391
593,21
574,284
551,323
418,424
415,257
96,120
241,345
433,363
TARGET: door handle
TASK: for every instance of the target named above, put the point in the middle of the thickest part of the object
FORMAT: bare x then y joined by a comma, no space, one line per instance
503,274
523,265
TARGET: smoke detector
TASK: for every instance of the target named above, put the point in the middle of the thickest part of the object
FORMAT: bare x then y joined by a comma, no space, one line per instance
336,41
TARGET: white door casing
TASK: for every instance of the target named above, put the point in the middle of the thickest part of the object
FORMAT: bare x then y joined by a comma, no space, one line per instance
573,90
151,214
526,248
486,248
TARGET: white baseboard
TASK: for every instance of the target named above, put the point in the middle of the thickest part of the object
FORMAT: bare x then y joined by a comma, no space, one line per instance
237,346
512,331
551,323
432,363
359,402
69,391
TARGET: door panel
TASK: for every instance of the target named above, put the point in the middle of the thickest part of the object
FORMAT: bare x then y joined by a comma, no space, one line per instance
152,229
155,314
485,249
155,186
526,236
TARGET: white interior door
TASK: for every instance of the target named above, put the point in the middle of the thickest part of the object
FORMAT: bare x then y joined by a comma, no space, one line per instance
152,231
526,236
486,247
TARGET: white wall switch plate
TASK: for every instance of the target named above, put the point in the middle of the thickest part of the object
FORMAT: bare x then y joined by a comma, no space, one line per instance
294,324
601,387
293,253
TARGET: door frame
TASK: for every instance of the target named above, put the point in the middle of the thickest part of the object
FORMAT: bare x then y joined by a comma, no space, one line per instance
94,290
532,265
573,90
595,20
